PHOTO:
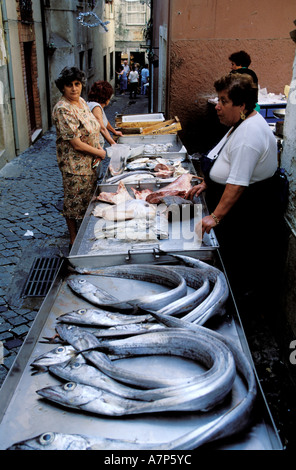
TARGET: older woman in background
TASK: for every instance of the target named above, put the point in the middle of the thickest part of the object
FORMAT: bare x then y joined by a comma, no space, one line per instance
78,146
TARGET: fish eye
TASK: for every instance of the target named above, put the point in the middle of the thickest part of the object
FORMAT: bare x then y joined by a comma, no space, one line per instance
60,349
69,386
76,365
82,281
82,311
46,438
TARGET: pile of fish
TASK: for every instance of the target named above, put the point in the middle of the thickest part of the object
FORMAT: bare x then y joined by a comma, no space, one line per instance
146,158
167,323
139,215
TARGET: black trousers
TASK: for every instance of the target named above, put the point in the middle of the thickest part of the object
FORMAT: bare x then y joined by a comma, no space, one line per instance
250,239
133,89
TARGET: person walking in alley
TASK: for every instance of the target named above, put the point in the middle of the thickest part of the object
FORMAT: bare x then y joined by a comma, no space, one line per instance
122,76
144,79
78,146
133,82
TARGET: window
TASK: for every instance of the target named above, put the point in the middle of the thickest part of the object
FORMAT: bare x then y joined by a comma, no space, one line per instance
81,60
135,13
90,58
26,11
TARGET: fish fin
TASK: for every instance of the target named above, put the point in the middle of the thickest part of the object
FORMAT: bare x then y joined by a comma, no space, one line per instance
39,370
52,340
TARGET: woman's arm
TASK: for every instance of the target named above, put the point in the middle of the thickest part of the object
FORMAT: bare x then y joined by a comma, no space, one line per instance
230,196
97,112
82,147
111,129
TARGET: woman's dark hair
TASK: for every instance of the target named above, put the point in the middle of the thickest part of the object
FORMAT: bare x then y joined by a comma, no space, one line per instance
241,89
69,75
241,58
101,91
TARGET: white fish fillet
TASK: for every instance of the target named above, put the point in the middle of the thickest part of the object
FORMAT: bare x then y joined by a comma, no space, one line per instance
135,208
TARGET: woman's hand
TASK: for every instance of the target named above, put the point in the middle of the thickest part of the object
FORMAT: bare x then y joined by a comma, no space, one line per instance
82,147
196,190
119,133
230,196
205,225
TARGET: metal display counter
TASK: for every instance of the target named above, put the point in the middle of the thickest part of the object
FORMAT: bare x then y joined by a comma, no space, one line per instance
24,414
182,237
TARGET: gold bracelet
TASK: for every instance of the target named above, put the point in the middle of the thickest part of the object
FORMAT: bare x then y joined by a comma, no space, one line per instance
215,218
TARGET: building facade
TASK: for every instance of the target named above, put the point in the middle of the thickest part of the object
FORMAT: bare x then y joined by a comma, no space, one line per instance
37,39
23,77
192,40
75,36
132,17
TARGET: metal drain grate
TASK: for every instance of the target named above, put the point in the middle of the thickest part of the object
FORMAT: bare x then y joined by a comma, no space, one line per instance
41,276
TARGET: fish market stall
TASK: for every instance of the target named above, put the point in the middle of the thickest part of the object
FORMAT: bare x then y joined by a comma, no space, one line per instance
140,212
138,345
147,153
29,398
119,234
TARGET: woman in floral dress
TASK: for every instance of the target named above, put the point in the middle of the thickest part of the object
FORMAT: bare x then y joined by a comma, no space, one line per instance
78,146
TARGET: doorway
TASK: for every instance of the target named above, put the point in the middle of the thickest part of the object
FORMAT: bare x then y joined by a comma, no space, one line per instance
28,46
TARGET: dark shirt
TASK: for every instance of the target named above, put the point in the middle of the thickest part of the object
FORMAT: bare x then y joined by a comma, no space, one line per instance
247,71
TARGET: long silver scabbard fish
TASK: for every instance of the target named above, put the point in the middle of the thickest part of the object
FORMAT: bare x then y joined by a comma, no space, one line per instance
149,273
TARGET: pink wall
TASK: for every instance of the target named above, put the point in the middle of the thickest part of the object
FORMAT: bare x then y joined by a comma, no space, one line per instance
202,35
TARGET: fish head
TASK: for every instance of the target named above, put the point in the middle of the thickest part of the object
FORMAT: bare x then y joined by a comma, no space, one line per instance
80,285
55,356
74,316
80,339
70,394
52,441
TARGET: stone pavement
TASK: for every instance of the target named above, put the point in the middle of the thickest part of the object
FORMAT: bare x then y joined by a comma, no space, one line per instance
31,226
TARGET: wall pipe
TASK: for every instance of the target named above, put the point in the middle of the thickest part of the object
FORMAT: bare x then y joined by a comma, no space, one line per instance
10,77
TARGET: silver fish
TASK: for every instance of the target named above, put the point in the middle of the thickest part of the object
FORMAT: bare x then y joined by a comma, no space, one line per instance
222,425
89,375
194,395
93,294
136,173
149,273
162,343
214,303
78,338
60,441
127,330
237,418
58,355
187,303
86,342
100,317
